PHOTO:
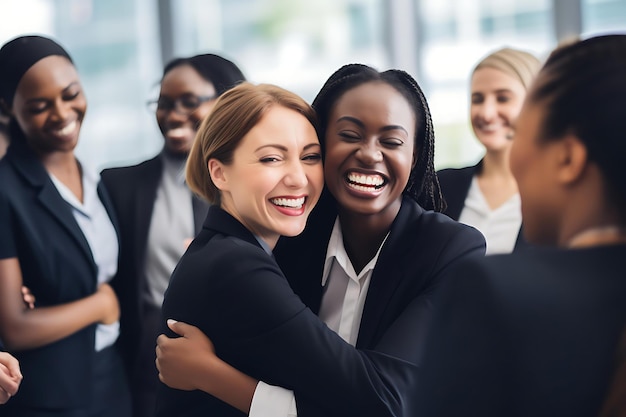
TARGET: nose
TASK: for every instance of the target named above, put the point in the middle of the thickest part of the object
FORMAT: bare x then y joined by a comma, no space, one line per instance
296,176
369,153
487,110
60,110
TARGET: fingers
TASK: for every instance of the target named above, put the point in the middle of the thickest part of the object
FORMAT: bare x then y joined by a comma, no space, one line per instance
180,328
4,396
12,365
29,298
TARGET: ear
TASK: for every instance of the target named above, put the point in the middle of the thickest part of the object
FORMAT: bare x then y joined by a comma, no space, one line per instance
217,173
572,160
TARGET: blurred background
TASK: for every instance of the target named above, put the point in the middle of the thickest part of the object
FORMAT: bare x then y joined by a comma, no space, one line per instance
120,47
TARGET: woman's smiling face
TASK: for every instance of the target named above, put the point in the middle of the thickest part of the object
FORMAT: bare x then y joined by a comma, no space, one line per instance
370,148
49,105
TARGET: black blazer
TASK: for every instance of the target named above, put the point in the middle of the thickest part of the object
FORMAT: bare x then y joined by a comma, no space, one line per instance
133,191
455,184
229,287
526,334
421,247
57,265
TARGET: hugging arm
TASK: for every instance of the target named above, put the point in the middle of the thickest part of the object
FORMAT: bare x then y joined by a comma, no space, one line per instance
328,375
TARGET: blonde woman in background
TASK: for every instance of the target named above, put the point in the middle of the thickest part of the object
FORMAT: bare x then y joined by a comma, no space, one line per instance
485,195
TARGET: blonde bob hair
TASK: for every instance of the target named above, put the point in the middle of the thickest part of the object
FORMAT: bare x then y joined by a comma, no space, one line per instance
235,113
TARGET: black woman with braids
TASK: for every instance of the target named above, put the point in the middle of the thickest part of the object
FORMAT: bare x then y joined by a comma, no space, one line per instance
368,262
537,333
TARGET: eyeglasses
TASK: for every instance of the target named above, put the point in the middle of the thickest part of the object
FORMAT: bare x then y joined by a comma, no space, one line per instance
185,104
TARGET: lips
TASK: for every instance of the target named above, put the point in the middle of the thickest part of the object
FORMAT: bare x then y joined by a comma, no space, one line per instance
66,130
180,133
287,202
365,182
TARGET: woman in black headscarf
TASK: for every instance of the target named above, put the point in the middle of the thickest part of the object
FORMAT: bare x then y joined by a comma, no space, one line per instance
59,239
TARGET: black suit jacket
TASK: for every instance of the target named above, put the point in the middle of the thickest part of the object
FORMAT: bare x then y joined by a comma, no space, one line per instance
527,334
455,184
133,191
229,287
57,265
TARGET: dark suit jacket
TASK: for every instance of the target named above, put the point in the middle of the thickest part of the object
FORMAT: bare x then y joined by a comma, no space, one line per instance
227,285
57,265
527,334
133,191
455,184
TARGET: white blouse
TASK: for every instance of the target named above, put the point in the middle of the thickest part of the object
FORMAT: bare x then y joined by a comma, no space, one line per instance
500,226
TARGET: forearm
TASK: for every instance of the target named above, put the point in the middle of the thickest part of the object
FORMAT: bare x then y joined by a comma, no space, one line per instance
25,328
32,328
228,384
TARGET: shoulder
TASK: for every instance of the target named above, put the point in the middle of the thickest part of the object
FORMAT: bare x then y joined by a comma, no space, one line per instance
448,175
126,173
436,228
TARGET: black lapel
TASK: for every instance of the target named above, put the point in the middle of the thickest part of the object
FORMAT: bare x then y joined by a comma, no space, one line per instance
144,192
386,277
31,168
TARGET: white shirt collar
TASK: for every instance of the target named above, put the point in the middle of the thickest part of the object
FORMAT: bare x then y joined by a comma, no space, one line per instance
337,251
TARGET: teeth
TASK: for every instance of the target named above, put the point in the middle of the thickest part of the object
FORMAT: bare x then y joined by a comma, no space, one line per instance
368,180
67,129
288,202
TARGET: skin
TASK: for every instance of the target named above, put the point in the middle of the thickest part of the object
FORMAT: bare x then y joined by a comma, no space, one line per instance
49,107
371,132
370,138
179,130
10,376
496,100
275,178
563,193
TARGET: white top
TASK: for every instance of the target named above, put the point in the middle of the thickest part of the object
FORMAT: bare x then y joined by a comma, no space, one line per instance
342,305
96,225
500,226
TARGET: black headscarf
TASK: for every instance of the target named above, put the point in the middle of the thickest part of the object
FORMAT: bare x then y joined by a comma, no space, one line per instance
220,72
18,55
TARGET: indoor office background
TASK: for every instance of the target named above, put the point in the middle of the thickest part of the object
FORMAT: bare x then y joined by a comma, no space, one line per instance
120,46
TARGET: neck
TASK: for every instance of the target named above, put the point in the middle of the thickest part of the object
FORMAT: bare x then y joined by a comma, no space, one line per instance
175,156
597,236
496,164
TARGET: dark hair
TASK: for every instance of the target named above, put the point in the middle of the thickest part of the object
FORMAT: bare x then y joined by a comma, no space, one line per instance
235,113
583,89
219,71
423,185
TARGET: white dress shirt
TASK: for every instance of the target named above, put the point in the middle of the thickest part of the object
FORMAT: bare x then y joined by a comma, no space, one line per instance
500,226
342,305
96,225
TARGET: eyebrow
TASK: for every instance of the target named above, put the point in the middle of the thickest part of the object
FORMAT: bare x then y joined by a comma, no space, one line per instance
498,91
37,99
362,125
284,148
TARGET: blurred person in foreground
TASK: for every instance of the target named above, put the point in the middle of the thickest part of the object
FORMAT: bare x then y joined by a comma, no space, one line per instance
536,332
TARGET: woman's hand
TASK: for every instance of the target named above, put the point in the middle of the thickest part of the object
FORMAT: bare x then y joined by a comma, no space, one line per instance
189,362
111,312
183,362
28,297
10,376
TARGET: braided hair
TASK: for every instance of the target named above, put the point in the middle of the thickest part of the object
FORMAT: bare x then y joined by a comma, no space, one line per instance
423,185
582,87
